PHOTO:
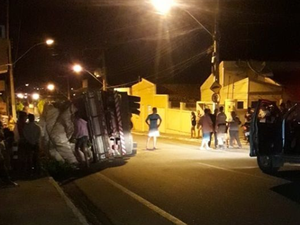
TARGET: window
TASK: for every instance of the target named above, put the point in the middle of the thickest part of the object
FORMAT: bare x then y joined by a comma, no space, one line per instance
240,105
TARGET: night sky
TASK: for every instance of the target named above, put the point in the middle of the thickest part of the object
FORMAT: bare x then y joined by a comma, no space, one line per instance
132,35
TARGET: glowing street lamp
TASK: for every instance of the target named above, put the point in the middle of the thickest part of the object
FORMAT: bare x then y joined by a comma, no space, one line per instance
35,96
78,68
11,65
163,6
20,95
49,42
50,87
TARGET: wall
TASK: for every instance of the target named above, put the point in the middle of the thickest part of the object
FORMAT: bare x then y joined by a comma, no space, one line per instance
175,121
178,121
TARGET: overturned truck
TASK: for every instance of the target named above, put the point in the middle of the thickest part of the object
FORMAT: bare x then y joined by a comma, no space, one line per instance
108,114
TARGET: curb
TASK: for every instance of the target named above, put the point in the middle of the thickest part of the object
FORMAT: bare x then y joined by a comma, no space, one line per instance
70,204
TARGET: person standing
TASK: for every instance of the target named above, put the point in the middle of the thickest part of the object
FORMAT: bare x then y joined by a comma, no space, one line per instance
206,125
234,129
248,115
81,134
198,125
153,121
213,118
5,179
193,124
20,164
263,114
32,136
221,128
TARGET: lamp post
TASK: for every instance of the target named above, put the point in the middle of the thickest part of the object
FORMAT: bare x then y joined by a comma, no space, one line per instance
78,68
164,6
48,42
11,65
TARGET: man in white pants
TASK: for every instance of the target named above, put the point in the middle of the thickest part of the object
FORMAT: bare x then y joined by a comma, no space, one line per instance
152,121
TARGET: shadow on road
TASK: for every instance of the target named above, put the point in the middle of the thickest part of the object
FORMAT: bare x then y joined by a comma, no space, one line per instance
289,190
94,168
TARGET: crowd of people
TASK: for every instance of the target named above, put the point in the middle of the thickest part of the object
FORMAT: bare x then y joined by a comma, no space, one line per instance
225,132
20,147
216,128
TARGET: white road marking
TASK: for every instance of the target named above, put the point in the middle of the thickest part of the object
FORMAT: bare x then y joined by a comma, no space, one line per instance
233,171
148,204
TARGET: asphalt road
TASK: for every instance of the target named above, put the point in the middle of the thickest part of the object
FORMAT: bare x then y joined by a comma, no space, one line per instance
180,184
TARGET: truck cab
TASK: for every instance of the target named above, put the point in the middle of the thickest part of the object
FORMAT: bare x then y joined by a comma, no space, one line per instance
274,137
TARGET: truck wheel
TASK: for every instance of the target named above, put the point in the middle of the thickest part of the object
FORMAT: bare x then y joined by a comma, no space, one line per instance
266,164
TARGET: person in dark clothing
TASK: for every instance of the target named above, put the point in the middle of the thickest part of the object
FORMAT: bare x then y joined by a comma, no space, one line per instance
32,135
19,138
193,124
8,141
248,115
5,179
213,118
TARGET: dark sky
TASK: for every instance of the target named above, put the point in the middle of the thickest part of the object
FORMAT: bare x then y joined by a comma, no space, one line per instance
133,35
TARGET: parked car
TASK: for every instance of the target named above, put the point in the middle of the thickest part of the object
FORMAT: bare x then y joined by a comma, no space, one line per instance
275,138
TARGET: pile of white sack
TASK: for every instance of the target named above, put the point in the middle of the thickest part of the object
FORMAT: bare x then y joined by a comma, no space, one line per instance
57,130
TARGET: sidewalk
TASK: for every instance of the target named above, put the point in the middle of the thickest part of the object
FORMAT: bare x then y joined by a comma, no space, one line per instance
185,138
37,202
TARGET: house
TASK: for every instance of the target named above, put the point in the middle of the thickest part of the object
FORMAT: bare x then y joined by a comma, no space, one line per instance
242,85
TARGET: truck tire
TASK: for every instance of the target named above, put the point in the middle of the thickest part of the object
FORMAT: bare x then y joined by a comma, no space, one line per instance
266,164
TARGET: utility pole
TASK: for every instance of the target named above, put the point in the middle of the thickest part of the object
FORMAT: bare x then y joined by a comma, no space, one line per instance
10,66
216,52
68,86
104,78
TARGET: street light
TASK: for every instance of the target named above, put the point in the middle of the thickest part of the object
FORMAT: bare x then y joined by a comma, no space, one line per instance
164,6
35,96
78,68
11,64
48,42
51,87
20,95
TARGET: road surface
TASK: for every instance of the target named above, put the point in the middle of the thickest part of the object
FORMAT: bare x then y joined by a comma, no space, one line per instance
180,184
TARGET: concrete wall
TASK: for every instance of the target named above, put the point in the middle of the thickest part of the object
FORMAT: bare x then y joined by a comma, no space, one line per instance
174,121
178,121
